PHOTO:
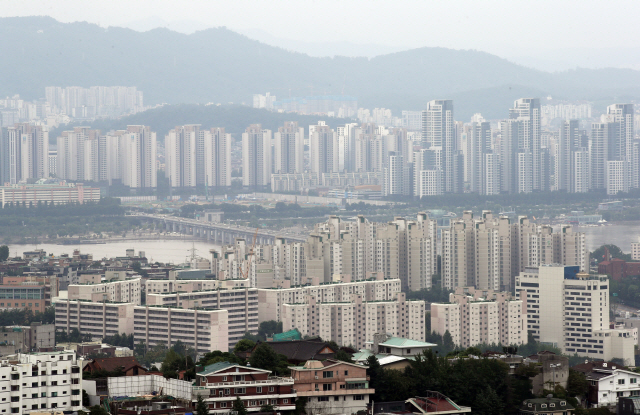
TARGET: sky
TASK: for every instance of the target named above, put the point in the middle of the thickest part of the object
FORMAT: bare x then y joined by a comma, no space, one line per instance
542,30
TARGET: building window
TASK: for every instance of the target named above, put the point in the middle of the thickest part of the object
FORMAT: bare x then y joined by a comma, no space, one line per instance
285,401
223,404
358,397
620,381
323,399
327,386
224,378
227,391
259,389
274,401
240,391
252,403
272,388
327,374
620,394
346,373
633,380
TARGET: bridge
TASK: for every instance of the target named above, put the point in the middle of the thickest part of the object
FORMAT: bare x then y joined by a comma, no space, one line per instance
219,233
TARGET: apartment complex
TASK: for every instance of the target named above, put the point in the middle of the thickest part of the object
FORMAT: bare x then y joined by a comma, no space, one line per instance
355,321
220,384
271,301
488,252
124,291
332,386
203,329
51,193
97,319
240,303
474,316
570,309
41,382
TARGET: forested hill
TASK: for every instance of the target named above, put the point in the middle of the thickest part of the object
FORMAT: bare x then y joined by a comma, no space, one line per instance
218,65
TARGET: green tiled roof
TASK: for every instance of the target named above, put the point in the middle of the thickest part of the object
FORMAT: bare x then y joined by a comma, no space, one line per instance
216,367
400,342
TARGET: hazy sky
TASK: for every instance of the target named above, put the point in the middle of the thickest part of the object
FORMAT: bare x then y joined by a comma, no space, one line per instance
506,28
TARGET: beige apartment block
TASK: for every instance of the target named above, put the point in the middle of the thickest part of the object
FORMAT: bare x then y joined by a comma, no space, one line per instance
202,329
475,316
99,319
241,303
124,291
376,288
353,322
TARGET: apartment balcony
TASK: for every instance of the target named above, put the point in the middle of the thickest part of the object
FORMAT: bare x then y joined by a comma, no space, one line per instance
317,392
241,383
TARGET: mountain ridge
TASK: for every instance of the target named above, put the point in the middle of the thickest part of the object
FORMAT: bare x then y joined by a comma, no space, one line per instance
222,66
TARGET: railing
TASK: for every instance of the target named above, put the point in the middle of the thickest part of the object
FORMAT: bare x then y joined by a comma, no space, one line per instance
270,381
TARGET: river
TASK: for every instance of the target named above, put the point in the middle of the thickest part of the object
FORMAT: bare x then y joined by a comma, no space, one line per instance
176,251
165,251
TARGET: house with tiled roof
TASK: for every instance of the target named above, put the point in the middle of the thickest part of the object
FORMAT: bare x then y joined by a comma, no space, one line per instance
332,386
608,382
127,364
221,383
546,406
397,346
433,403
299,351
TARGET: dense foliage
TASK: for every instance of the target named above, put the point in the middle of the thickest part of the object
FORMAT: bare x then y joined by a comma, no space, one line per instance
19,224
614,252
25,316
264,357
265,329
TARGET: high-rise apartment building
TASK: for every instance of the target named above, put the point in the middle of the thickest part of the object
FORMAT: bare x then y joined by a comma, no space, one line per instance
354,322
324,150
256,156
603,140
478,144
475,316
570,309
25,151
289,149
527,110
217,158
181,147
438,130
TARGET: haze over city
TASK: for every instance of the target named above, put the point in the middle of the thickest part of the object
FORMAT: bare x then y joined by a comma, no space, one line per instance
319,208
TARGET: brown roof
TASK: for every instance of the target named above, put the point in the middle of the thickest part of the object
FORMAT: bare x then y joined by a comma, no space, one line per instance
590,366
302,350
112,363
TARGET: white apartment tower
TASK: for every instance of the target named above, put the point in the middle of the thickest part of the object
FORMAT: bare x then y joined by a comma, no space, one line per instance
256,156
27,148
289,149
180,155
527,110
138,157
438,130
217,158
324,150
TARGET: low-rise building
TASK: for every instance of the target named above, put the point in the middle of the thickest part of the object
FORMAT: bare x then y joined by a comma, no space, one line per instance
55,193
42,381
385,344
24,339
608,382
332,386
31,297
129,366
546,406
203,329
433,403
96,319
220,384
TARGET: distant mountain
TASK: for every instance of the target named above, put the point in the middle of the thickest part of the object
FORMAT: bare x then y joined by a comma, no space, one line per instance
218,65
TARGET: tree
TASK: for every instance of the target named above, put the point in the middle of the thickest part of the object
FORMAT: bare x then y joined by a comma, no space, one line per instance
98,410
577,384
488,403
264,357
201,406
301,403
238,407
4,253
244,345
447,341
